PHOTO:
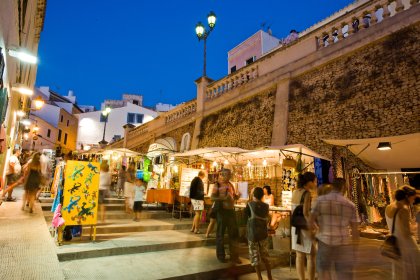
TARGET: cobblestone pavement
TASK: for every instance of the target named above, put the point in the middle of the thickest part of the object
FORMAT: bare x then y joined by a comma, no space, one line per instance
27,250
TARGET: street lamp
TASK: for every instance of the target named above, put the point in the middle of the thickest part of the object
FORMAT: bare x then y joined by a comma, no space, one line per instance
105,113
203,33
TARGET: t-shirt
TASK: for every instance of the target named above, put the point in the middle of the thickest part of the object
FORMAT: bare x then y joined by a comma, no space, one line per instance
197,189
260,209
13,160
139,192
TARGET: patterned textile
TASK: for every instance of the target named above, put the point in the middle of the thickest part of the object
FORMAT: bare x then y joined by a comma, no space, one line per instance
258,251
334,213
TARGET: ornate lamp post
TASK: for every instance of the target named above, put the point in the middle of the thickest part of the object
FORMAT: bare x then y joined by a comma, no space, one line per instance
203,33
105,113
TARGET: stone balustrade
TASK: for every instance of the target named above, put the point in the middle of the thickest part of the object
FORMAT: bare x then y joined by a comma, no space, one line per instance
362,17
234,80
138,131
181,112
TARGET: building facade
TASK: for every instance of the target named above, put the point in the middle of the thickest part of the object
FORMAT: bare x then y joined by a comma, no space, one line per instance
91,125
21,23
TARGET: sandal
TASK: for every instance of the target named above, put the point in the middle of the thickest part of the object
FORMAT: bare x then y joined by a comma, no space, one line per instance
197,232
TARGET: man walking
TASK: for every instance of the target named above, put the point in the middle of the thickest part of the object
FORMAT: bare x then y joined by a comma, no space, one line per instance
335,214
12,175
224,195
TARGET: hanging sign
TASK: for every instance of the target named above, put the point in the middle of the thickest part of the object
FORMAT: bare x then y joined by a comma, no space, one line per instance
286,199
81,187
187,175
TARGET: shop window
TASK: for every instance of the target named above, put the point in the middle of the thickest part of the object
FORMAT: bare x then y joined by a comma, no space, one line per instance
49,133
59,135
65,138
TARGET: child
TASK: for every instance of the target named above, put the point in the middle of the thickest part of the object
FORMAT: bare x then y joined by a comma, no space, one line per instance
139,192
257,212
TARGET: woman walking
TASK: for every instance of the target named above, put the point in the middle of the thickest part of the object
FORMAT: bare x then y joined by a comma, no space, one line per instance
32,179
301,238
129,187
408,266
104,187
197,200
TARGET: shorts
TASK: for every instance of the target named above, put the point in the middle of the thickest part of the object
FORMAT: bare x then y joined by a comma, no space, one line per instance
258,251
339,257
138,206
128,189
11,178
101,196
198,205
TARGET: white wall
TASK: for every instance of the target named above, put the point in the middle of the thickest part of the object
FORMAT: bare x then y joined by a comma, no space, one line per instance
66,106
90,128
268,42
49,113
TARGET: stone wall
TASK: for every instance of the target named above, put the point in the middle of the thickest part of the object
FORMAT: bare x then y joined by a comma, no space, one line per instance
179,132
247,124
143,147
371,92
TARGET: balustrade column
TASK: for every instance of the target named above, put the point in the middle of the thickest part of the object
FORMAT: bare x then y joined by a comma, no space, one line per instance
373,18
399,6
386,12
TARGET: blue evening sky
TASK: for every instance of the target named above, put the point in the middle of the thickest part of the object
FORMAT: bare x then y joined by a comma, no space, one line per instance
101,49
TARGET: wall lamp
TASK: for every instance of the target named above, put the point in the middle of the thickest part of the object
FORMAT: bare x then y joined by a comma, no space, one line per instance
384,146
22,55
22,89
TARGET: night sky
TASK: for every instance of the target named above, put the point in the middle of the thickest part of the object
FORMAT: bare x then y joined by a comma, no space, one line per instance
101,49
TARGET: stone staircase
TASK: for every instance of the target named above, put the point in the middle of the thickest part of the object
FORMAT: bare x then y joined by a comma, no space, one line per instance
158,237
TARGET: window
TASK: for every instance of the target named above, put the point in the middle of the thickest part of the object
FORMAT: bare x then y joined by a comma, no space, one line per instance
130,117
59,135
68,122
139,118
135,102
61,118
49,133
65,138
134,118
233,69
250,60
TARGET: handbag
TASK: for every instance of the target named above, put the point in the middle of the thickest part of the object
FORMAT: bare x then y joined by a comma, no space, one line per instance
390,247
298,219
256,227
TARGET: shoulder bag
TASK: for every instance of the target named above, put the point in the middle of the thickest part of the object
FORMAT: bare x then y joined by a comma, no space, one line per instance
298,218
390,247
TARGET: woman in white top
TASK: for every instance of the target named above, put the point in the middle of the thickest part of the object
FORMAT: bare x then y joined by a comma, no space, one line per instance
268,197
408,266
303,244
104,186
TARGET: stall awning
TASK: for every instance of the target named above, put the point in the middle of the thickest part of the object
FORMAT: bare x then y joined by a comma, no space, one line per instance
405,152
240,156
162,146
121,152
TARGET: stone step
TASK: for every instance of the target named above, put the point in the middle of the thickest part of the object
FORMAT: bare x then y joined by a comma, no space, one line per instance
138,242
125,226
179,263
115,215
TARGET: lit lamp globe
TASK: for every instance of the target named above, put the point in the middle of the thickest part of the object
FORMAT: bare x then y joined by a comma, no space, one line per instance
199,30
211,19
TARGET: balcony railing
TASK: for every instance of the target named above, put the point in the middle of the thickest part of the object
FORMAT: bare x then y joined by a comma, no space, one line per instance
140,130
234,80
362,17
181,112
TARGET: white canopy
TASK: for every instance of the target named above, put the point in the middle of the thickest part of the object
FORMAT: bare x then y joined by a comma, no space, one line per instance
405,152
121,152
240,156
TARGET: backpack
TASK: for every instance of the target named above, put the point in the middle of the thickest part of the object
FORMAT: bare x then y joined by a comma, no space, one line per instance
298,219
256,226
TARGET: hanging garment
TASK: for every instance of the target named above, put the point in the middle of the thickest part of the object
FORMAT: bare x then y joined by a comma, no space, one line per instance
57,218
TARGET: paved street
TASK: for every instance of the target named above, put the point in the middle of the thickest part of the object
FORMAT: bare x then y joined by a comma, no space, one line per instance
29,252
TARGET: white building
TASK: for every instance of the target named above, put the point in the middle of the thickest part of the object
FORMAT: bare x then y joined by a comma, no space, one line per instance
161,107
91,124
